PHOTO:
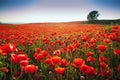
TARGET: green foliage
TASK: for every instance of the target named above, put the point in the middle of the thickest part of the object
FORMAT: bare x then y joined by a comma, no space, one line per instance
108,28
93,15
103,22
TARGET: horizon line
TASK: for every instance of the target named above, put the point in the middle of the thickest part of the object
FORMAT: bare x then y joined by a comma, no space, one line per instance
37,22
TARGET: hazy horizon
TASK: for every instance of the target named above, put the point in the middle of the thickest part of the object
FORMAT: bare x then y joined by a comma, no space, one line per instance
33,11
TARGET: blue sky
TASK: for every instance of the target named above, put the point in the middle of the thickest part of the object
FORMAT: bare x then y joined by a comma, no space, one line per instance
27,11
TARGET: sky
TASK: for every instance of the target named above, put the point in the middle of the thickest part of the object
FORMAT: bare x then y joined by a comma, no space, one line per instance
34,11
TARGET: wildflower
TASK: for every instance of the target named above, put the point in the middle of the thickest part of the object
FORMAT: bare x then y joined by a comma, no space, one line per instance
48,61
102,72
93,40
37,50
57,52
112,36
1,53
89,54
84,39
88,70
56,60
71,47
107,41
115,27
6,70
86,45
103,59
18,58
103,65
105,72
78,62
24,63
117,52
44,53
91,59
39,57
64,63
102,48
77,45
31,69
60,70
8,48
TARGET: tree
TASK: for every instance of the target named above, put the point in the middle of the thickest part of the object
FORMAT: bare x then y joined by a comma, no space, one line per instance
93,15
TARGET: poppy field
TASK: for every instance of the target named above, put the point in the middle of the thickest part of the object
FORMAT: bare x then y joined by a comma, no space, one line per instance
59,51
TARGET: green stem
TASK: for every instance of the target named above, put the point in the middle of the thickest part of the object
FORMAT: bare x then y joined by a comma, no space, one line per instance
29,76
59,77
11,70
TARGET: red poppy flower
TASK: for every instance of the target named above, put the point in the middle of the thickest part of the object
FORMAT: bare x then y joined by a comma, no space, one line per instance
112,36
1,53
60,70
102,72
77,45
64,63
14,58
102,48
31,69
93,40
71,47
37,50
107,41
56,60
103,65
57,52
115,27
105,72
39,57
44,53
117,52
91,59
89,54
103,59
8,48
24,63
108,73
87,45
78,62
84,39
35,55
88,70
48,61
22,57
46,40
18,58
6,70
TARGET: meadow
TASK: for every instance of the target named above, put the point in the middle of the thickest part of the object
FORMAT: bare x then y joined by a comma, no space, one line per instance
59,51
